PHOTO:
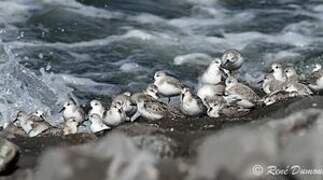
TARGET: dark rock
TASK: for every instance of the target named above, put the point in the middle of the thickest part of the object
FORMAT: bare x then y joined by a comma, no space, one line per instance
8,155
193,148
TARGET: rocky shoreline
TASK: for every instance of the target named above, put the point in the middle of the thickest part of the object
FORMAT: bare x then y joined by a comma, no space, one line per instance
177,149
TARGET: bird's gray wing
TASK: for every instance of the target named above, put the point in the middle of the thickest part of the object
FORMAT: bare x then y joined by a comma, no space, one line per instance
175,82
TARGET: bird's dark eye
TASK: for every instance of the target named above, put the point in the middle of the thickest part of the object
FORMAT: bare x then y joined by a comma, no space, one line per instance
68,104
96,104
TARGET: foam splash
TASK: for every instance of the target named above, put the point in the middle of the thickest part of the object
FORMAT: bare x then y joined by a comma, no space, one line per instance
21,89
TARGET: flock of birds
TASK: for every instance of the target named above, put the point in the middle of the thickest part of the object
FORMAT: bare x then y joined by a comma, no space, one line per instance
219,93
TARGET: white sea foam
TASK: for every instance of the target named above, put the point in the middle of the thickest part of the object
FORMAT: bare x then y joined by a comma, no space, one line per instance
194,58
205,31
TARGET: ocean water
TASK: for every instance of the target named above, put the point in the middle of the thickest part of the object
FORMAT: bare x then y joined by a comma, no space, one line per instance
99,48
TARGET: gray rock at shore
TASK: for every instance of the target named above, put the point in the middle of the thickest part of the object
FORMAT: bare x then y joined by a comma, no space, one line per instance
8,154
114,157
190,148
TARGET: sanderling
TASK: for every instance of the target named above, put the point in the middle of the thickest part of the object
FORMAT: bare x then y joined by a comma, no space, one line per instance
115,115
154,110
32,124
214,111
124,100
246,97
96,108
214,105
277,96
209,91
298,88
221,106
213,74
150,93
39,114
278,72
232,60
72,111
191,104
224,109
167,85
291,74
97,124
315,79
10,130
271,85
70,126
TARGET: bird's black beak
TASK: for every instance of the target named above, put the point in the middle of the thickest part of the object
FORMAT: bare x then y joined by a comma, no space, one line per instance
260,82
62,110
43,117
225,62
14,121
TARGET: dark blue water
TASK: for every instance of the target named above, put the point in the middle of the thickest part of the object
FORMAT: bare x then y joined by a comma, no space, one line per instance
98,48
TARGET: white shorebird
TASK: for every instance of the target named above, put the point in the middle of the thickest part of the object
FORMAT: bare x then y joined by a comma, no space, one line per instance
271,85
214,74
291,74
191,104
298,88
154,110
124,100
32,124
278,73
277,97
150,93
72,111
115,115
208,91
245,96
214,105
232,60
315,79
167,85
222,108
97,124
70,126
96,108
